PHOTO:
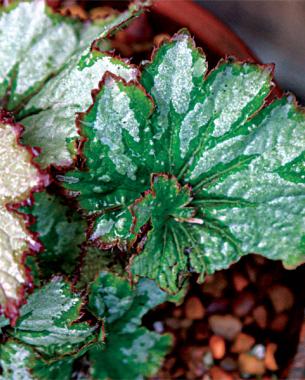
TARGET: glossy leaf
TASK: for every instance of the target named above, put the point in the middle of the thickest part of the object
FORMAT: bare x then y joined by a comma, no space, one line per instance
17,178
241,166
60,229
48,321
138,351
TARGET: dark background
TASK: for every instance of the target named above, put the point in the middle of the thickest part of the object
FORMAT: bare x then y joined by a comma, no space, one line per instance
274,31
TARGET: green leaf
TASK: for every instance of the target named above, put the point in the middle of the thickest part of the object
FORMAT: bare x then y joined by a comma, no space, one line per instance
48,321
34,44
119,158
138,351
18,177
61,231
46,63
49,117
234,180
96,260
22,362
37,43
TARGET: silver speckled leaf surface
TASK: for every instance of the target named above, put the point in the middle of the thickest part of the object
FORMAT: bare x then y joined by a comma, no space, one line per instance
50,123
47,320
138,350
34,44
243,166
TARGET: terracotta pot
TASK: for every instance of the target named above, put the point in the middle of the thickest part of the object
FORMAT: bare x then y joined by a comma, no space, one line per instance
207,29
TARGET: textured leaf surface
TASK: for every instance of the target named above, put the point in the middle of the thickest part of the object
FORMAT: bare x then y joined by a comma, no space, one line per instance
33,45
244,166
50,115
17,178
21,362
138,351
61,231
47,321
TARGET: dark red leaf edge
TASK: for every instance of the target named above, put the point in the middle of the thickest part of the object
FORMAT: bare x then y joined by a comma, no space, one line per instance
12,306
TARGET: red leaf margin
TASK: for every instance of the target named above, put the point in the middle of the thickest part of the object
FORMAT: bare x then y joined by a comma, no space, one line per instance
11,309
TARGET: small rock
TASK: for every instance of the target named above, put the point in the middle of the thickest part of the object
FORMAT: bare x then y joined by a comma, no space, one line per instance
243,304
217,346
281,297
249,364
215,285
279,322
259,351
158,327
228,364
194,308
260,316
270,361
226,326
208,359
242,343
173,323
240,282
220,305
177,312
248,320
217,373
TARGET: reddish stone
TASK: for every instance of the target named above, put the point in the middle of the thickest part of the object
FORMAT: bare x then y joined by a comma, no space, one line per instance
260,316
243,304
242,343
217,373
217,346
270,361
250,365
281,297
226,326
240,282
194,308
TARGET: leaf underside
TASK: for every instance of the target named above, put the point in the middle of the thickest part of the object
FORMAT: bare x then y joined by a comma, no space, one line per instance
234,182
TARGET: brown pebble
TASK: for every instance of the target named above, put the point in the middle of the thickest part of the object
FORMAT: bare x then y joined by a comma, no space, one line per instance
250,365
217,373
248,320
228,364
260,316
226,326
217,346
240,282
279,322
243,304
242,343
281,297
270,361
194,308
177,312
215,285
